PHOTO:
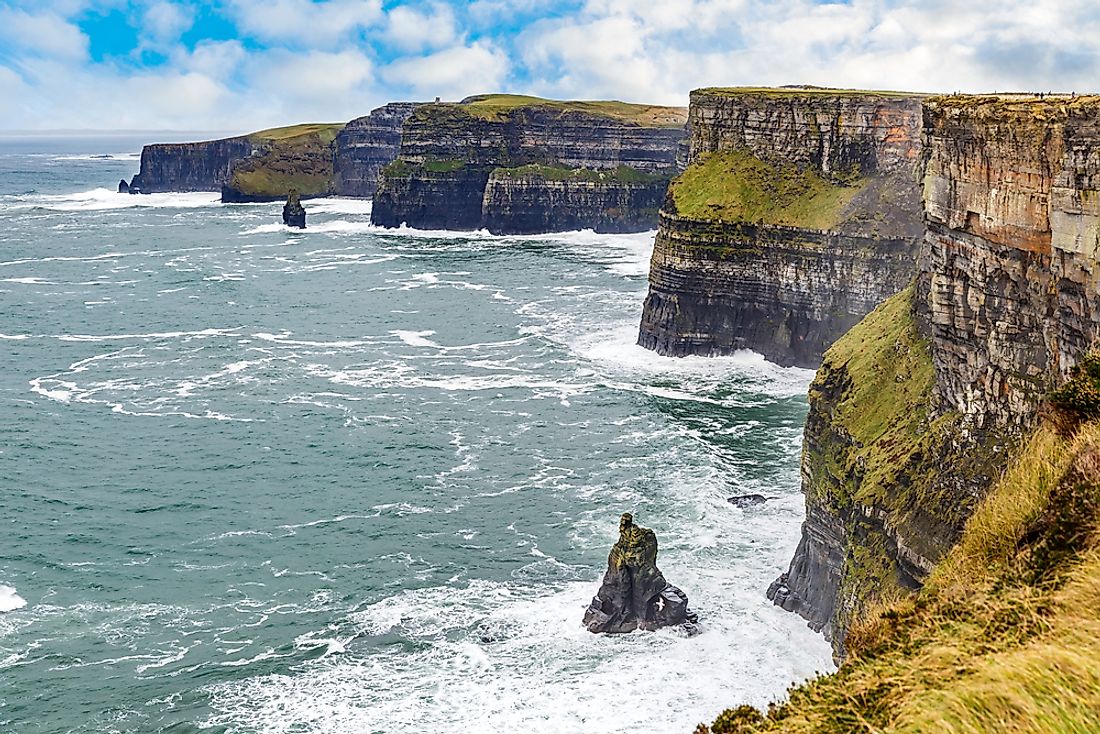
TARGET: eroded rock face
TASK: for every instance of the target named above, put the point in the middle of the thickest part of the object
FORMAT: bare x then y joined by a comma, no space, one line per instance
634,594
914,411
1009,286
204,166
365,146
788,290
538,167
294,214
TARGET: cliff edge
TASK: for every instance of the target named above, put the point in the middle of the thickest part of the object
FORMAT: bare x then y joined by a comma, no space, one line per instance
519,165
799,213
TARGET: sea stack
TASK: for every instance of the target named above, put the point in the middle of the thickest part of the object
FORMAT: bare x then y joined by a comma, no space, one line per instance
294,214
634,594
123,187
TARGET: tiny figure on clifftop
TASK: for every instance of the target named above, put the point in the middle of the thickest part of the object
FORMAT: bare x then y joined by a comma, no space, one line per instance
634,594
294,214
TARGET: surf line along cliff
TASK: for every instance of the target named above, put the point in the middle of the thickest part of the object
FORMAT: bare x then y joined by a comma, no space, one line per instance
522,165
917,409
798,213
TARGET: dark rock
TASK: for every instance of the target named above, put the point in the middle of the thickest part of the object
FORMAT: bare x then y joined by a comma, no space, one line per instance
634,594
365,146
123,187
722,283
542,167
294,214
204,166
747,500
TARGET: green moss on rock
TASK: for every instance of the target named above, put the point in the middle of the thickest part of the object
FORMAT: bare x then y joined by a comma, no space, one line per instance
735,186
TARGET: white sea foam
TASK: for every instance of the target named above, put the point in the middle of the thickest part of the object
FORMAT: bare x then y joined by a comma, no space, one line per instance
415,338
101,199
492,657
9,600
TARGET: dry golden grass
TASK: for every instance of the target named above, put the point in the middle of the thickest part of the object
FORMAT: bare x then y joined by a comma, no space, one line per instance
988,646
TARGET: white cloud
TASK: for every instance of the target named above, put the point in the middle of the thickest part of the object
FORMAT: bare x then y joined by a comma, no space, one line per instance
303,22
165,21
45,34
451,73
314,75
414,30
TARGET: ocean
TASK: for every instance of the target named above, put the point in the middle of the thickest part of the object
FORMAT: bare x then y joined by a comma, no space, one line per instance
354,480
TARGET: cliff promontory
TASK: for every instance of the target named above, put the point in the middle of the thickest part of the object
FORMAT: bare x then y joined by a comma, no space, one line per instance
950,545
799,212
314,159
514,164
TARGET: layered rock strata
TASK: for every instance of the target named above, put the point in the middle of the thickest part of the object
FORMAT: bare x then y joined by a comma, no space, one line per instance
915,409
523,164
634,594
204,166
365,146
800,211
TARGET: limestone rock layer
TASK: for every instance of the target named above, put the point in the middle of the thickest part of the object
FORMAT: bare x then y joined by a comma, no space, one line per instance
799,212
915,408
524,165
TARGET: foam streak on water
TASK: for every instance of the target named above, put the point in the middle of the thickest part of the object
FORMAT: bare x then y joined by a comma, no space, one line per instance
351,479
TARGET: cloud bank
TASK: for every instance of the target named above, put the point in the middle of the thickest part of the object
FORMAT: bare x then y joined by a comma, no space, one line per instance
245,64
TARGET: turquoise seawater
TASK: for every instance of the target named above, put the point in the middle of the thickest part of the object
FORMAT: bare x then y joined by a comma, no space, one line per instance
352,480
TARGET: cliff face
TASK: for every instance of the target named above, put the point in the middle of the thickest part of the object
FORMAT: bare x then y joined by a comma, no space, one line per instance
799,213
537,165
1008,284
261,166
915,411
365,146
535,199
202,166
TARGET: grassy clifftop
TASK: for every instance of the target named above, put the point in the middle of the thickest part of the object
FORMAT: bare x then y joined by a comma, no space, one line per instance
496,107
1004,636
735,186
295,157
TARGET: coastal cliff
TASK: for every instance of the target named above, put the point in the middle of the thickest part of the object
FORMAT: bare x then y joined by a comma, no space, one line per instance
914,411
204,166
365,146
951,462
516,164
799,212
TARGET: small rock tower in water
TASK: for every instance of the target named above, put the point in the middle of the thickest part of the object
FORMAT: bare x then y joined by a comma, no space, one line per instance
294,214
634,594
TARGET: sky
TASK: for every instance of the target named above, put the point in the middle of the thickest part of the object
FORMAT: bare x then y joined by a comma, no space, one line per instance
238,65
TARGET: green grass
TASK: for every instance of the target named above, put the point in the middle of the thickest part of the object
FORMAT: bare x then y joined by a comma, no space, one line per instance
984,647
295,157
1004,637
735,186
498,107
782,92
324,131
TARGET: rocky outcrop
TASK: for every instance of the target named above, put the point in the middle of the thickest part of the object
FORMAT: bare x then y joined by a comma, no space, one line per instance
522,164
204,166
261,166
634,594
123,187
365,146
799,213
915,410
294,214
